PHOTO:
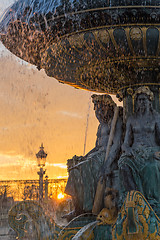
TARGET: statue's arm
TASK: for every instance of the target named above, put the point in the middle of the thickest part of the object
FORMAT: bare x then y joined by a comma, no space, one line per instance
96,148
157,126
126,146
116,146
98,135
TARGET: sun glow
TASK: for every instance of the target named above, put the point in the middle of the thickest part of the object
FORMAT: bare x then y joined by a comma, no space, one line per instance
60,196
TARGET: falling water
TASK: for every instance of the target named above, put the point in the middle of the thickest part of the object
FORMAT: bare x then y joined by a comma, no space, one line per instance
88,113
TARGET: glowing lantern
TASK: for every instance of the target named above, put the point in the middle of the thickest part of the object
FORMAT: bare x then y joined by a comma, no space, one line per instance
41,157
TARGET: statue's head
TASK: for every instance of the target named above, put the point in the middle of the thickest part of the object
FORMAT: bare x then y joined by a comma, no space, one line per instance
103,106
143,98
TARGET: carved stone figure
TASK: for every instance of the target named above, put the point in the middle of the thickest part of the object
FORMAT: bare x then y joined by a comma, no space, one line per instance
83,176
139,166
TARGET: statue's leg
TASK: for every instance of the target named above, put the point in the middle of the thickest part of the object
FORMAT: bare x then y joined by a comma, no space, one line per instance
151,181
126,178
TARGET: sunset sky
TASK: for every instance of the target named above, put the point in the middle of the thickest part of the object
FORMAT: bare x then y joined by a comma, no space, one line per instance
34,109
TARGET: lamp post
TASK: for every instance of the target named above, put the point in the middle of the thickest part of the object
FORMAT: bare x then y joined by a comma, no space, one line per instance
46,188
41,160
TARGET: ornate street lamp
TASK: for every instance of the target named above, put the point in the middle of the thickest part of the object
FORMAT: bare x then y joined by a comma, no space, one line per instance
41,160
46,188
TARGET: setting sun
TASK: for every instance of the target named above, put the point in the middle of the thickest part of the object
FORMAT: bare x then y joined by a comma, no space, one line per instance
60,196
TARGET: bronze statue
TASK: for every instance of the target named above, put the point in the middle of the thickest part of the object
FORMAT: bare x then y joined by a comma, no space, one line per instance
139,166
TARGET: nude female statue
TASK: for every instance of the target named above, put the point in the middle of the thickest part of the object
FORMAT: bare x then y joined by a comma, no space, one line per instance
139,168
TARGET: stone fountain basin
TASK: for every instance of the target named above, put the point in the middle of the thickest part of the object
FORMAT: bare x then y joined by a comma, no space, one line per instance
95,45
